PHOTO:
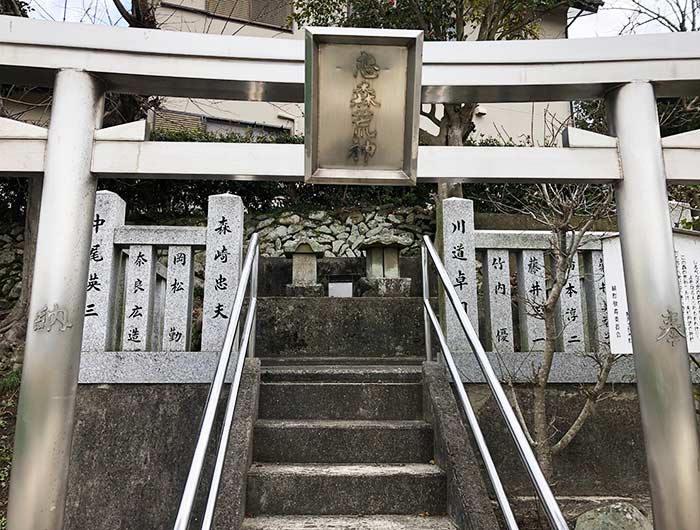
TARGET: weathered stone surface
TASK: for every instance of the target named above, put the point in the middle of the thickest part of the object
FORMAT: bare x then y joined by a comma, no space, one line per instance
229,515
318,216
348,522
458,244
99,328
224,255
354,218
293,245
139,288
570,313
345,488
531,295
132,449
616,516
388,239
467,497
385,287
605,459
7,256
312,290
337,441
356,327
294,229
498,302
340,401
265,223
289,220
337,228
177,321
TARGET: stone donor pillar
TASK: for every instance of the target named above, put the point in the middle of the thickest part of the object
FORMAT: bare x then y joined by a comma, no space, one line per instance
654,302
54,331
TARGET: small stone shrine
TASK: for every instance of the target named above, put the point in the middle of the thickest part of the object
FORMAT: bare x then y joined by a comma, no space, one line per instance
304,254
382,262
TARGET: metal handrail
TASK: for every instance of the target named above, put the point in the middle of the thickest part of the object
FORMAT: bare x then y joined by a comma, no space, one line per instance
247,341
549,503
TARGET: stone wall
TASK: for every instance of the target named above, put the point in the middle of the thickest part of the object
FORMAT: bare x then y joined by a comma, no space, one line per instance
340,233
11,255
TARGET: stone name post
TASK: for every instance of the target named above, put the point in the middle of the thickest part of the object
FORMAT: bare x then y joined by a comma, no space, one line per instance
458,247
103,270
223,266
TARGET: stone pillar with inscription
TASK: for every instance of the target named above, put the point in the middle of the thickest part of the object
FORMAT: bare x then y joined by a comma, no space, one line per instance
177,321
457,229
531,296
223,267
139,288
499,312
98,329
570,317
595,301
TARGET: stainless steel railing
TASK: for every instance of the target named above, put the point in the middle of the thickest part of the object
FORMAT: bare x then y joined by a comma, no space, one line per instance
549,503
249,273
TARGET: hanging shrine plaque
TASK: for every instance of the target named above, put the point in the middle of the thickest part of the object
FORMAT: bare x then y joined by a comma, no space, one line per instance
362,105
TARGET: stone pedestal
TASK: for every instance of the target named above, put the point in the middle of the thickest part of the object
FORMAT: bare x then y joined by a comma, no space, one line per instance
387,287
315,289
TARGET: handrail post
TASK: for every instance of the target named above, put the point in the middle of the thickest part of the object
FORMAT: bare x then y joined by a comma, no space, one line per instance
426,299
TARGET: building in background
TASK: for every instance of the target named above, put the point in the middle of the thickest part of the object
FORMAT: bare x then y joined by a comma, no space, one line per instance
270,18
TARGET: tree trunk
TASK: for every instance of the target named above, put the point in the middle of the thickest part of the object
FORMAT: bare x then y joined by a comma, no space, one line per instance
457,130
541,430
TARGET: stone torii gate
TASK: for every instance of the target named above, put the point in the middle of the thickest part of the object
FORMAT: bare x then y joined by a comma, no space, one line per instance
82,62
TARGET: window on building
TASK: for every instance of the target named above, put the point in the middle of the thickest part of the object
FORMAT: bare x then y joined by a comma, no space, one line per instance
268,12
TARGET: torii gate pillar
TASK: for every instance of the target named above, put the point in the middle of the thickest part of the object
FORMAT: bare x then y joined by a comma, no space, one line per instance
56,310
660,350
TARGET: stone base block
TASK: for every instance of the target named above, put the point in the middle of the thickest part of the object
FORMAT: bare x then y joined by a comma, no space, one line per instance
305,290
385,287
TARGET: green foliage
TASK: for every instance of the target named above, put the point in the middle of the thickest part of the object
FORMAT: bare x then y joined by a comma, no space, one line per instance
441,20
9,383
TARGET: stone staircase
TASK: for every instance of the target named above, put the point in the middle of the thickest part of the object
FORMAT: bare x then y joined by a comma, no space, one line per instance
344,447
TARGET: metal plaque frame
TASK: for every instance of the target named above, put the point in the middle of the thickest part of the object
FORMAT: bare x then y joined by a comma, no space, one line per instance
412,40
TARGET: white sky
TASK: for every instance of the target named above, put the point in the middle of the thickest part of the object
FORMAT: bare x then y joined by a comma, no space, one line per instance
609,21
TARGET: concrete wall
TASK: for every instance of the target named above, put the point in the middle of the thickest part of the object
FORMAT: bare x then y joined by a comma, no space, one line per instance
132,448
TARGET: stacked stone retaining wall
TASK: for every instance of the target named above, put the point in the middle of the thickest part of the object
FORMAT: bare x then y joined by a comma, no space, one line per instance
11,256
340,233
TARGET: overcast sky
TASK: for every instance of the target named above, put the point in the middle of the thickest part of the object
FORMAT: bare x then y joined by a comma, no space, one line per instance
609,21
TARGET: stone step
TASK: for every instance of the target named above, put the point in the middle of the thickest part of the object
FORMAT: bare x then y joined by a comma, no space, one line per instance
342,374
343,441
399,360
348,522
341,401
338,489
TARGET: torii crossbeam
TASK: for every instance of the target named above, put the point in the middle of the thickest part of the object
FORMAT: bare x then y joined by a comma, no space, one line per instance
82,62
